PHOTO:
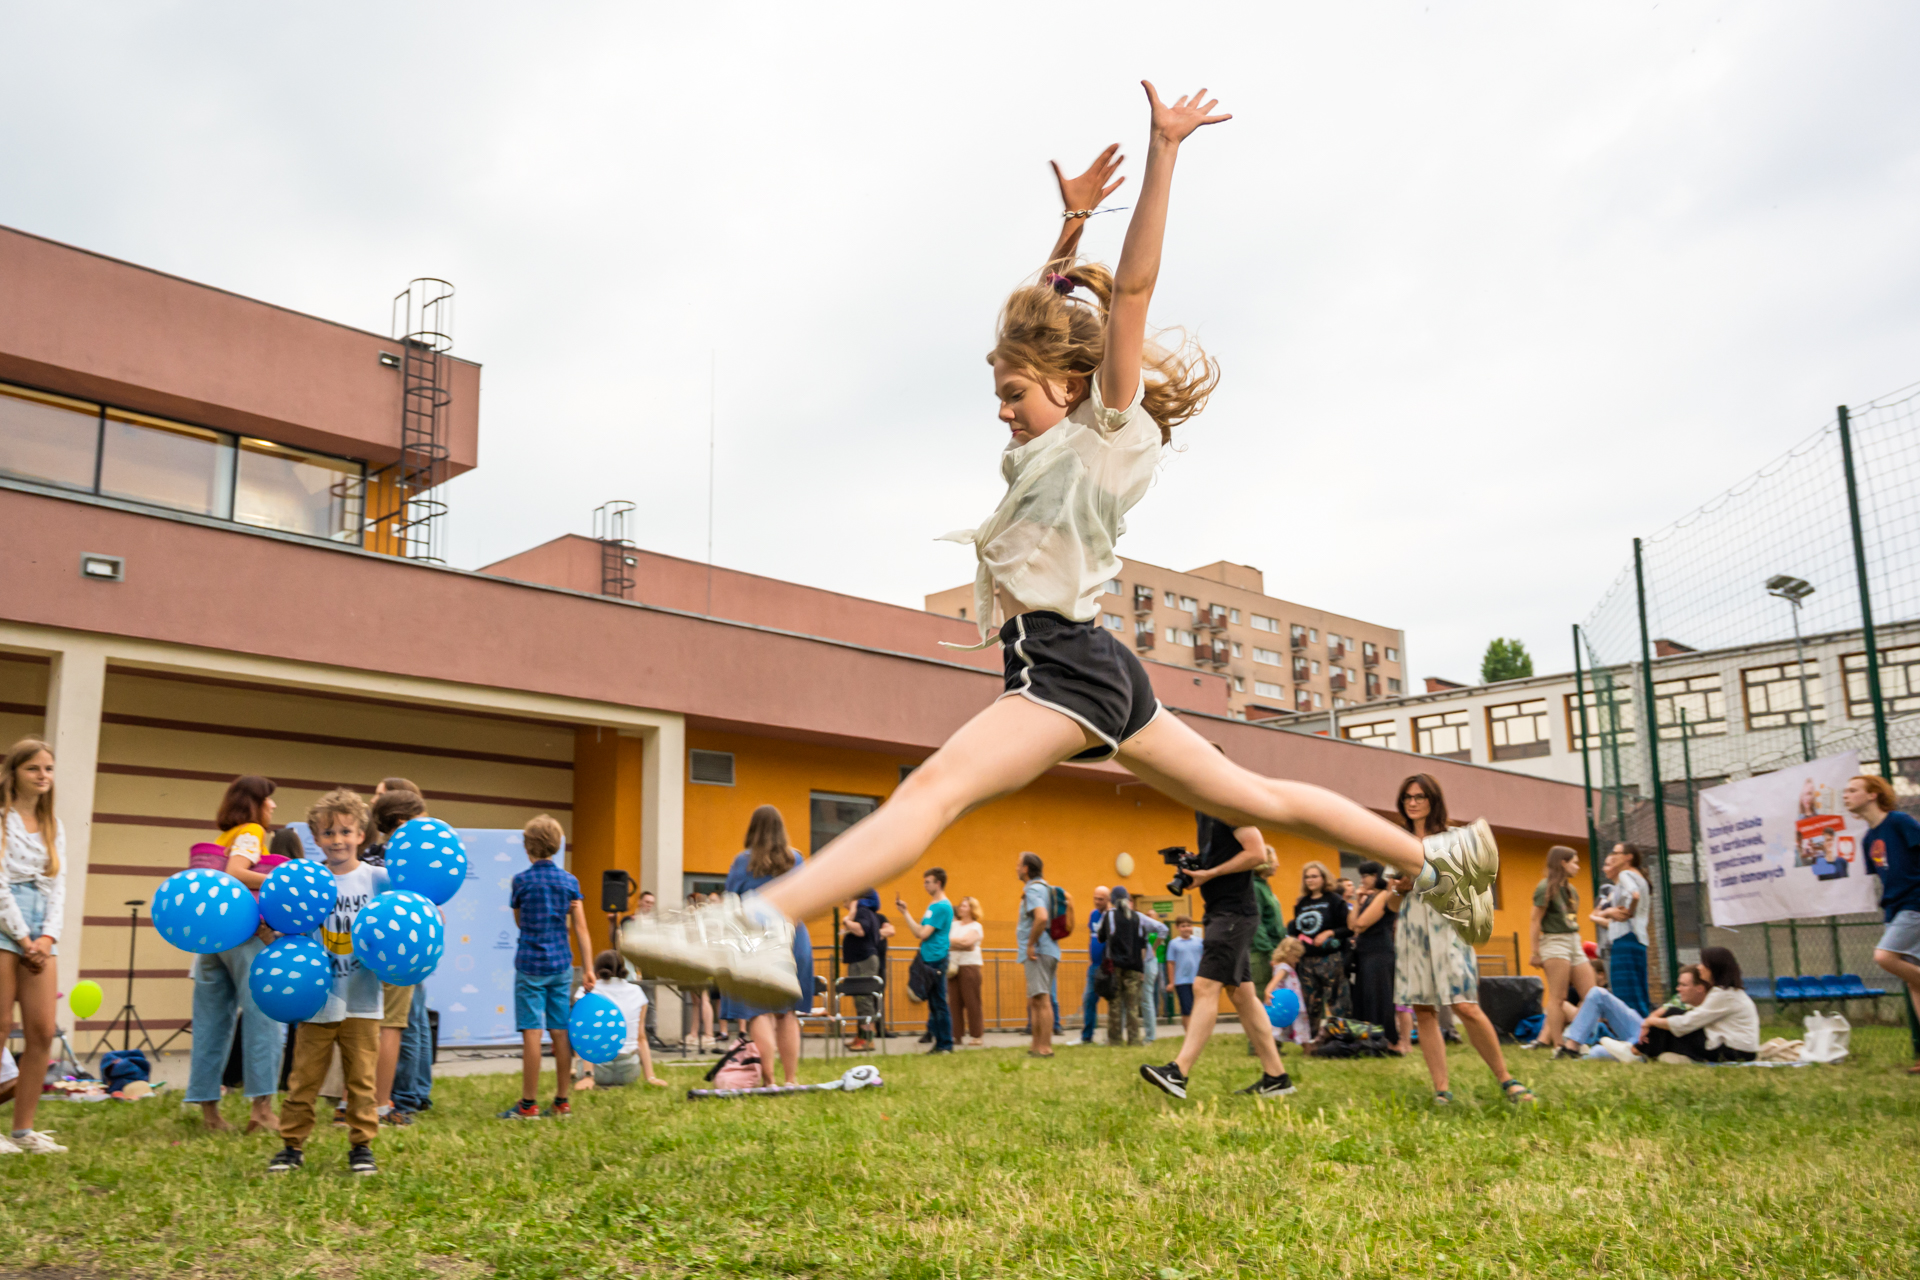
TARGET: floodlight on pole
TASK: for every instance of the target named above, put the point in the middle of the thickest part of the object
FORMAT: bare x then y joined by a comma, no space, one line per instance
1784,586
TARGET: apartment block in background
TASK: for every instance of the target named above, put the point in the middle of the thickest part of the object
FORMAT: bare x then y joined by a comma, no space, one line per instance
1279,658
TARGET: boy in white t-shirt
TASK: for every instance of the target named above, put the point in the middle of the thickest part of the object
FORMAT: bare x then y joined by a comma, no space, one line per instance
352,1014
635,1061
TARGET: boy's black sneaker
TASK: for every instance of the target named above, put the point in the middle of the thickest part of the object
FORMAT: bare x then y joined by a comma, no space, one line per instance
289,1159
1270,1086
360,1160
1169,1078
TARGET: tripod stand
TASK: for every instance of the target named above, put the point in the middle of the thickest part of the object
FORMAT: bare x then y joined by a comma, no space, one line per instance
128,1018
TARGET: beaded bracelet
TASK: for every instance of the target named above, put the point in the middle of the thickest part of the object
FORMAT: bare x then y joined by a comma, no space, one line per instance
1077,213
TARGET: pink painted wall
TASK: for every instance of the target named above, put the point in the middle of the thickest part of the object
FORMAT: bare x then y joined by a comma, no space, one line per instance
97,328
388,615
573,562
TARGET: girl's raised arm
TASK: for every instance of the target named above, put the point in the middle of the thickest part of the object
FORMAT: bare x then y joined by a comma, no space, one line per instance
1139,266
1081,196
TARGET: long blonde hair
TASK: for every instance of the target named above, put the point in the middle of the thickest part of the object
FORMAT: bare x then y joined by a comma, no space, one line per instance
769,854
17,755
1055,337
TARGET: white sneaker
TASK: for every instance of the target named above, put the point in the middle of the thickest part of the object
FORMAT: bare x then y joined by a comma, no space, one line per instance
1466,860
35,1143
1619,1050
8,1147
747,957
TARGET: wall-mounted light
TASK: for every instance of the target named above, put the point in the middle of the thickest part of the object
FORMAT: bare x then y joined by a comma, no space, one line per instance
103,568
389,359
1123,865
630,560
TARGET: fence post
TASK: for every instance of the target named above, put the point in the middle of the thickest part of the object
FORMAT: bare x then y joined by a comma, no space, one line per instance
1693,835
1586,768
1652,721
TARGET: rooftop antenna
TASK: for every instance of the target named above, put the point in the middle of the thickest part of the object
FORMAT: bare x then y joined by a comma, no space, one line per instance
713,377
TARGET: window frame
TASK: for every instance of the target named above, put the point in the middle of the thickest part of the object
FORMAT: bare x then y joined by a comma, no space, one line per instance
1539,723
1424,726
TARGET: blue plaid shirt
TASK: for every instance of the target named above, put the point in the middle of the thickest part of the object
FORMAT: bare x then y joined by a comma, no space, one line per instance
542,894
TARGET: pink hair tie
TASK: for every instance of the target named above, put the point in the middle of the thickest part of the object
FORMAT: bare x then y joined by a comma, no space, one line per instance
1061,285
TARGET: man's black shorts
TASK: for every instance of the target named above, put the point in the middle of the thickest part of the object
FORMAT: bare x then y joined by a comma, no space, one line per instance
1224,950
1081,671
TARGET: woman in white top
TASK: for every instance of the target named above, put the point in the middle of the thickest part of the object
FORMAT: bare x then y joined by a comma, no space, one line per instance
1089,404
636,1060
33,897
964,972
1725,1027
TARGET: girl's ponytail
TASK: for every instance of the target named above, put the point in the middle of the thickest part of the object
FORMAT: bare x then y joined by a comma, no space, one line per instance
608,965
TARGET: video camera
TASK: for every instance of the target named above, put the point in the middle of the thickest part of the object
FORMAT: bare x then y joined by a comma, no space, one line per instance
1184,862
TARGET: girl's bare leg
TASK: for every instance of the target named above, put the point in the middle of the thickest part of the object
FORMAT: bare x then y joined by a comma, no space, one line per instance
994,754
1432,1047
786,1029
37,994
1556,996
1482,1036
760,1031
1170,757
1403,1024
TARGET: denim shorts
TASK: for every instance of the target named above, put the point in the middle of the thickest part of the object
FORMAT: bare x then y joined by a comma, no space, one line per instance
33,905
1902,936
540,1000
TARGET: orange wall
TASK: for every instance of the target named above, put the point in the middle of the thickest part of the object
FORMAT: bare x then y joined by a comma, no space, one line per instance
1077,825
606,815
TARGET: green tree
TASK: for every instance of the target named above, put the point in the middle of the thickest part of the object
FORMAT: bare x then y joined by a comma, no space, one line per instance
1505,660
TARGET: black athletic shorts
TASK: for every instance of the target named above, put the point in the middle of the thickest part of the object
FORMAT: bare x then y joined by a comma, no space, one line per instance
1224,951
1082,671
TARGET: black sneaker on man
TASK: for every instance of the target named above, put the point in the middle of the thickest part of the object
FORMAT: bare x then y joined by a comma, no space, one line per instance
1169,1078
360,1161
1270,1086
289,1159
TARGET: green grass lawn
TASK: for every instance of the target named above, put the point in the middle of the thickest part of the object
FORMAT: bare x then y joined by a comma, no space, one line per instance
988,1163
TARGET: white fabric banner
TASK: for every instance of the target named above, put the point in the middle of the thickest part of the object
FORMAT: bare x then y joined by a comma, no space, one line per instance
1781,846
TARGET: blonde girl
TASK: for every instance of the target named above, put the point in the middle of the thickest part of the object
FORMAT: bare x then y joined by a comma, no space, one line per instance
1088,405
33,896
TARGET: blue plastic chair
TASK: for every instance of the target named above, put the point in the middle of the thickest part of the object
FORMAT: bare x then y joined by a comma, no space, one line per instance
1832,987
1786,989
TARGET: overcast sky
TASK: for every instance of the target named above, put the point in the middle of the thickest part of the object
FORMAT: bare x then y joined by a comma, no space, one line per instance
1495,286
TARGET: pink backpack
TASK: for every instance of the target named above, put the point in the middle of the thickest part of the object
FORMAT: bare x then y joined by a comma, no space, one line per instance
739,1069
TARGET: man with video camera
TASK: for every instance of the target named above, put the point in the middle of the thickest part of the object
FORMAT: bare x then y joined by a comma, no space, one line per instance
1223,869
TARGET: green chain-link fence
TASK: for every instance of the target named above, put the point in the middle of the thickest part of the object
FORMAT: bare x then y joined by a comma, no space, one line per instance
1747,625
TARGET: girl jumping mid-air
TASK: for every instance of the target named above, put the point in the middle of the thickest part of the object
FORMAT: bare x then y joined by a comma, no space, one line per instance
1090,403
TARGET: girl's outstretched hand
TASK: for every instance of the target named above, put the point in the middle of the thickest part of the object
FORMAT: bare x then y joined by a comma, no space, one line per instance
1175,122
1091,187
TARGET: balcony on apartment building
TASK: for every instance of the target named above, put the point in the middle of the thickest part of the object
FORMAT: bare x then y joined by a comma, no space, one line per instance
1299,670
1143,640
1336,651
1214,619
1143,599
1370,654
1337,681
1299,637
1373,686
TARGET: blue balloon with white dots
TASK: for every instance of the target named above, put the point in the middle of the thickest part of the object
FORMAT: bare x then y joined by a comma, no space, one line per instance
204,911
425,856
596,1028
399,936
291,979
1283,1008
297,897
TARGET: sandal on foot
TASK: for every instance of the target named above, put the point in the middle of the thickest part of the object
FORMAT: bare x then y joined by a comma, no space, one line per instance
1442,1098
1516,1092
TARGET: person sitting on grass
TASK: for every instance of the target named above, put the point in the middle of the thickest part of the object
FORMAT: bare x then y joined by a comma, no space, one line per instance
1724,1027
1607,1021
546,905
636,1060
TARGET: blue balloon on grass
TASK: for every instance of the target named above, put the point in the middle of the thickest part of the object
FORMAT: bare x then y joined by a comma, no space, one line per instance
297,897
596,1028
426,857
399,936
204,911
291,979
1283,1008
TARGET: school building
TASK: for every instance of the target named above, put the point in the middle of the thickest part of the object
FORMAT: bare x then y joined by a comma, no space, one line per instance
217,567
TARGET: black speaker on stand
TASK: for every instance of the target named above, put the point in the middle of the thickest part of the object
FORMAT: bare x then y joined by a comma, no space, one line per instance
616,892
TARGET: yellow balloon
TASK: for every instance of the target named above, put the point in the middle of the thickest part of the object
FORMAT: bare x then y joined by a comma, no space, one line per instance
85,998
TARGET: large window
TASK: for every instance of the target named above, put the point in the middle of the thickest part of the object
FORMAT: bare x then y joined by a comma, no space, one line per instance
48,439
1259,623
1899,681
1269,656
1446,734
1518,730
1608,711
1773,695
1699,696
1381,733
118,454
1265,690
